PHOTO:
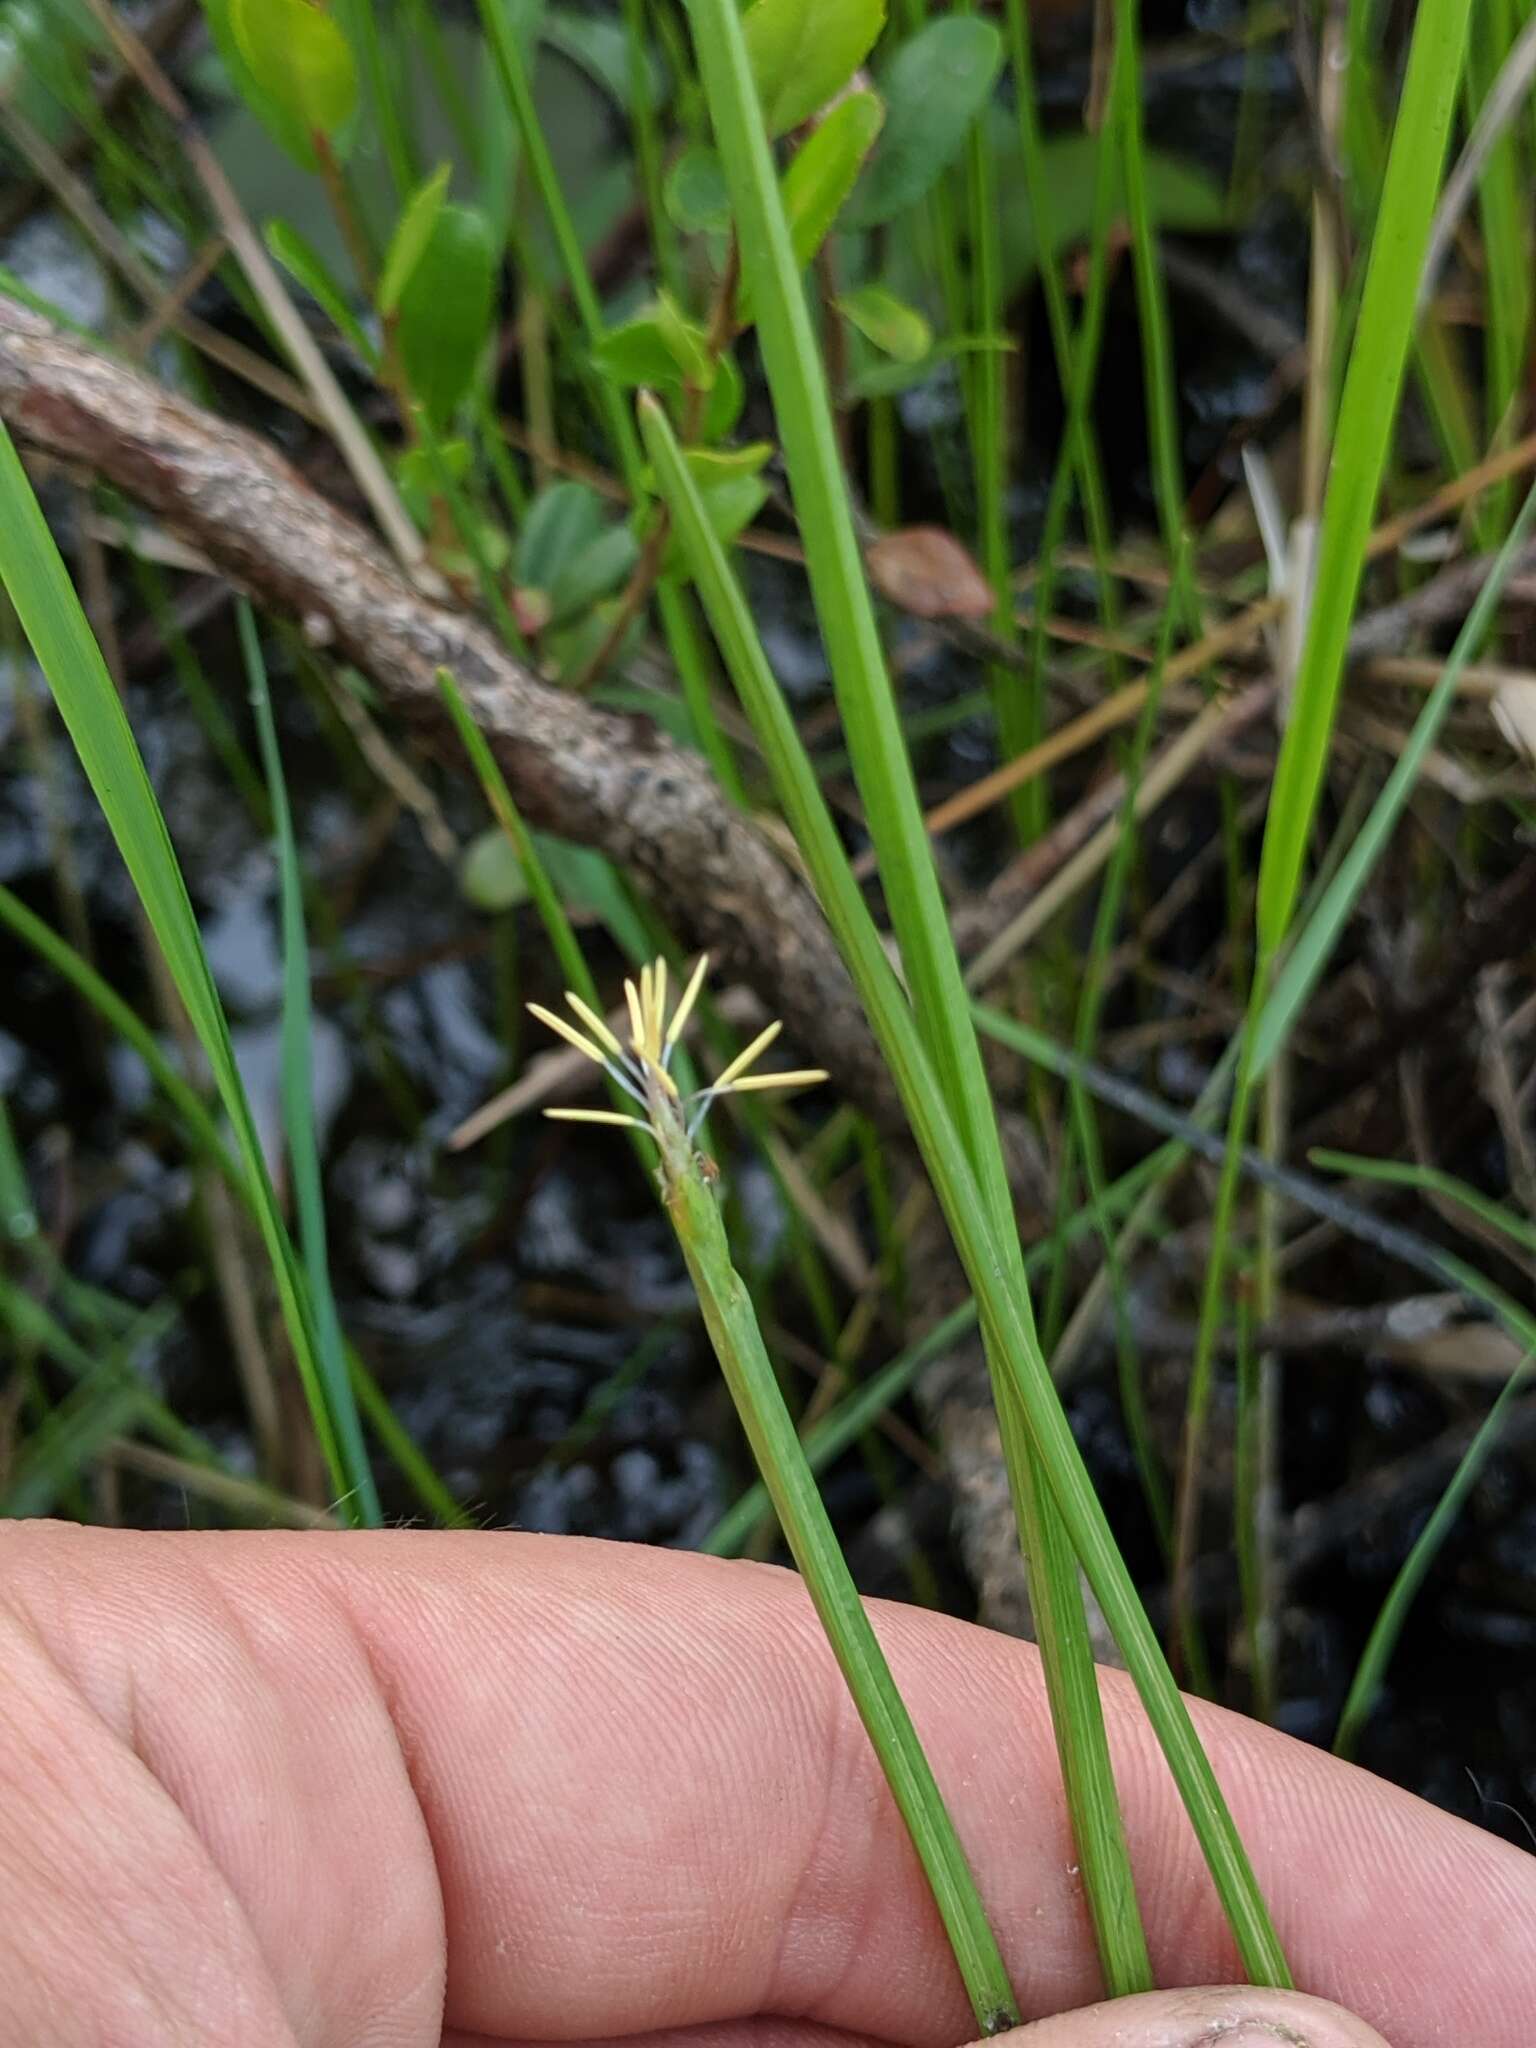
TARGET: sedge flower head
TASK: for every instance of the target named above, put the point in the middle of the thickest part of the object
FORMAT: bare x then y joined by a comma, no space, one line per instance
642,1066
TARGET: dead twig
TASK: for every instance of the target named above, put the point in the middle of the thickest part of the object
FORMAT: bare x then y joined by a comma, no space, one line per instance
610,780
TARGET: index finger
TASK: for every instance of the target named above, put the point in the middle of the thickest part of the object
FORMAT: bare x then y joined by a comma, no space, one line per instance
650,1805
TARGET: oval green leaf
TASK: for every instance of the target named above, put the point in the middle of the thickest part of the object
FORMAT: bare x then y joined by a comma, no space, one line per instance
935,87
896,329
490,873
572,550
299,57
820,177
804,51
289,134
660,349
445,310
825,168
563,519
412,234
697,200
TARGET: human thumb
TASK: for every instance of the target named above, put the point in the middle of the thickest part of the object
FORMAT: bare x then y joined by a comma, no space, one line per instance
1215,2017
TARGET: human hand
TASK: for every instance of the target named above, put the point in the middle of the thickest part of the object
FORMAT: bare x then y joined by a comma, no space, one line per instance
391,1791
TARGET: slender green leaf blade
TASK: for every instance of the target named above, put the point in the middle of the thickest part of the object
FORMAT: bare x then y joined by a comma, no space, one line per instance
93,715
296,1085
1366,413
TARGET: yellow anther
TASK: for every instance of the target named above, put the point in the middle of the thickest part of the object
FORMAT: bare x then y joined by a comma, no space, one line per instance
569,1033
595,1024
596,1116
799,1077
685,1005
743,1060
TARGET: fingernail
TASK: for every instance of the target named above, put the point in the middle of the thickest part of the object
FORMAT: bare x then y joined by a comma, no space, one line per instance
1254,2034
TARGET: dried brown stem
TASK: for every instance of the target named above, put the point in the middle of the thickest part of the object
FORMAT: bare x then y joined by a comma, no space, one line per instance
611,781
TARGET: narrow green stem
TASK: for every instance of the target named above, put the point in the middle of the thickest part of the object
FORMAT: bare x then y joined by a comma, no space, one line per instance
1202,1371
648,145
749,1375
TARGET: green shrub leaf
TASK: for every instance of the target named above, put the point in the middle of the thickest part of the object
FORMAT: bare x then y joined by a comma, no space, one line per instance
825,168
934,88
572,549
301,61
445,309
895,328
697,200
804,51
412,233
660,349
490,873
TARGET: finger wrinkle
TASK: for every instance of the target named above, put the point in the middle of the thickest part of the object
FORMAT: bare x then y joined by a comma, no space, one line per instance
819,1948
97,1947
428,1994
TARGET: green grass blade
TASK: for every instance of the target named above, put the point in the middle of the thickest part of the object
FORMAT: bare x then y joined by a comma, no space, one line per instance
66,1443
1386,1630
402,1450
1312,947
1018,700
1370,1672
494,785
296,1090
1367,409
511,67
73,967
1078,433
1431,1180
845,1423
573,965
54,623
985,1260
1151,298
30,1322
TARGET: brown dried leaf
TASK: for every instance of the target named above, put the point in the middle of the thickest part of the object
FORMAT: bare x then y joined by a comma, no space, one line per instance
925,571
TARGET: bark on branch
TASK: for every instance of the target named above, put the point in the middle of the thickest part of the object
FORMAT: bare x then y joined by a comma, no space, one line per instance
610,781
